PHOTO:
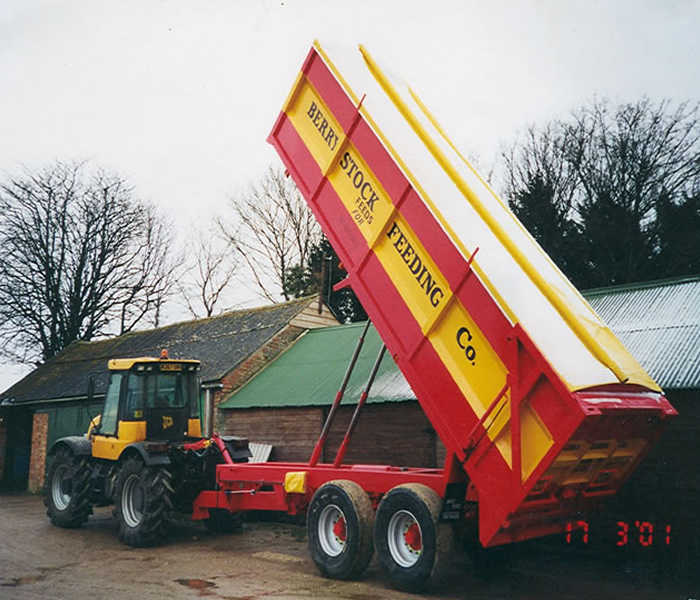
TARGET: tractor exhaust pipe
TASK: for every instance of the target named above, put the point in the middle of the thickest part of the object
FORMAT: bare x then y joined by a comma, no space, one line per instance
208,409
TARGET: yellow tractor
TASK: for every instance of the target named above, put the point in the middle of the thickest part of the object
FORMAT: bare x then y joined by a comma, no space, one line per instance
144,453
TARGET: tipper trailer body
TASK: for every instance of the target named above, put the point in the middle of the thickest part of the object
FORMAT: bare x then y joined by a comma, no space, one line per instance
541,409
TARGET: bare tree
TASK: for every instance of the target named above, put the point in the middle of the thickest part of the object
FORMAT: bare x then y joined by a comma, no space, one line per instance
629,158
81,258
214,264
275,232
600,189
541,190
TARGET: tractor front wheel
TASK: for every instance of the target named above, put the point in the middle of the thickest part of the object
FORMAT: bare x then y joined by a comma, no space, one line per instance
143,502
68,489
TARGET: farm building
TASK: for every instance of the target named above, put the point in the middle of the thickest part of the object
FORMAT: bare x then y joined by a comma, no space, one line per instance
50,402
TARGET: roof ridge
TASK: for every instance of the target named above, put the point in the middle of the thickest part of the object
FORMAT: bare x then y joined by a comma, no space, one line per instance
58,359
229,313
627,287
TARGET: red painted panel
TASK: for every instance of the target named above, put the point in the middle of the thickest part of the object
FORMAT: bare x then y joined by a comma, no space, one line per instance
385,168
344,110
434,239
295,155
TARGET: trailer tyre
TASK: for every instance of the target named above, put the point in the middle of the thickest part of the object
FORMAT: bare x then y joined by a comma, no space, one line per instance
68,489
339,529
143,502
410,541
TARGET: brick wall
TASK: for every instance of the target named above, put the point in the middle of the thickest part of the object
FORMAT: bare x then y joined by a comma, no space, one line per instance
37,465
250,366
393,433
292,431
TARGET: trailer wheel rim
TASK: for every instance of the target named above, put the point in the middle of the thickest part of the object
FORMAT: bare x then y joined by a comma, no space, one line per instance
133,500
61,488
404,538
332,530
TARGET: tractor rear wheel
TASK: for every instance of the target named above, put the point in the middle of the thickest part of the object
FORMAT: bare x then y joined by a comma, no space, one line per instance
143,502
68,489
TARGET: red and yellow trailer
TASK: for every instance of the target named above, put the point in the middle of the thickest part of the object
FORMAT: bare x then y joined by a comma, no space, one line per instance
541,409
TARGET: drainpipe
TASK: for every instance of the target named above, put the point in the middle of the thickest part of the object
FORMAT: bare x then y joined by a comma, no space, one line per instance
210,390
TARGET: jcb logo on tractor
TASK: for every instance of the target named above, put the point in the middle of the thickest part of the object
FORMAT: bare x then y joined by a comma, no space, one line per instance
167,422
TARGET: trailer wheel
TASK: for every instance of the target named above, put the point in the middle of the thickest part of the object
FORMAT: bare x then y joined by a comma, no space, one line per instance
143,502
410,541
339,529
68,489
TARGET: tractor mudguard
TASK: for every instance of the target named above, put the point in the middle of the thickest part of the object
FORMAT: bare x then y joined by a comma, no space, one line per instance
77,444
237,448
150,458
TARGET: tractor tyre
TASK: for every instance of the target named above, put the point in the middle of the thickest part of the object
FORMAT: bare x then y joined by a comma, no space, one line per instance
143,502
339,529
410,541
67,497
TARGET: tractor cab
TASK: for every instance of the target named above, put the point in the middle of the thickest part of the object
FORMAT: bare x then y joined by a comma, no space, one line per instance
148,399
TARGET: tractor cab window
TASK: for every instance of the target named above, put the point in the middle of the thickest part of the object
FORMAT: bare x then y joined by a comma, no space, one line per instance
169,402
171,391
108,421
133,407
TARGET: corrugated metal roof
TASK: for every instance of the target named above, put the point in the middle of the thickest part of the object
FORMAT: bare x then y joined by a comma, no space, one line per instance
261,452
659,323
310,372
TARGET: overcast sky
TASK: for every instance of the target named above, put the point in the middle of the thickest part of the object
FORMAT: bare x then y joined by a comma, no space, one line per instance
179,95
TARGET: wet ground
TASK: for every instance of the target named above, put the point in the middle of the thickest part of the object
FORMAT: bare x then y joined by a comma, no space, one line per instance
269,560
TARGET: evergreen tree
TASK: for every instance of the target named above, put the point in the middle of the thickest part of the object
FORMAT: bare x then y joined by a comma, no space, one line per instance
320,274
678,237
611,193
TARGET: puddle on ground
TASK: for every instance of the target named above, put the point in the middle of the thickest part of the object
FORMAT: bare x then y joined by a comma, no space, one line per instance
17,581
201,585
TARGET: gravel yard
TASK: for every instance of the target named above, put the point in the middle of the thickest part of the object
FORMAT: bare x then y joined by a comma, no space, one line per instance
269,560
